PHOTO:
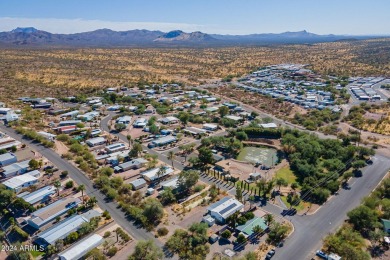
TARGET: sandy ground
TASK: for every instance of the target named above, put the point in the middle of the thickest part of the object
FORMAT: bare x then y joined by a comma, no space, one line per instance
61,148
124,249
24,154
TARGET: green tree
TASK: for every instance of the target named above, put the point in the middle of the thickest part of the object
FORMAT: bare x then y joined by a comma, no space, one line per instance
153,129
269,219
33,164
135,150
281,182
363,218
108,171
226,234
129,139
167,196
57,185
250,256
346,176
120,127
184,117
205,156
69,184
292,199
187,179
81,188
294,186
238,193
112,251
257,229
13,148
320,195
146,250
171,156
277,233
356,165
153,210
191,244
376,236
223,111
242,136
72,237
95,254
241,239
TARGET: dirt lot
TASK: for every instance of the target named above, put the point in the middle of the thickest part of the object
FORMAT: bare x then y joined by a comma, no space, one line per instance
24,154
261,102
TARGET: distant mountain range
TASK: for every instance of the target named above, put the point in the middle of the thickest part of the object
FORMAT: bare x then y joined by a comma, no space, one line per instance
30,36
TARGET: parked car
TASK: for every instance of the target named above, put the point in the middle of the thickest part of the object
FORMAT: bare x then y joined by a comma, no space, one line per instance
321,254
270,254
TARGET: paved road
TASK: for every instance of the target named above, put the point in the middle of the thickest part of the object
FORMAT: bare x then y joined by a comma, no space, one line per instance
79,177
310,230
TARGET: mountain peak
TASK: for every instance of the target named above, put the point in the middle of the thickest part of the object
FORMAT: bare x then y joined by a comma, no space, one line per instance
180,36
24,30
173,34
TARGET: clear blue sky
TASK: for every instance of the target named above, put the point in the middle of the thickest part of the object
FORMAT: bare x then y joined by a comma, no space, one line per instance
355,17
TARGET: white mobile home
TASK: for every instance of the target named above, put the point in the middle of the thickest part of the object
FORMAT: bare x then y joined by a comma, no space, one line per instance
19,182
224,208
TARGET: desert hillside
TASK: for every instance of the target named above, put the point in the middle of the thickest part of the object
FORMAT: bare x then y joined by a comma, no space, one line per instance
54,71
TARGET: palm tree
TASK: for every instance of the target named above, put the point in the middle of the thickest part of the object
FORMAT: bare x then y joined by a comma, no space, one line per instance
257,229
270,186
129,140
262,186
82,189
57,185
268,219
171,156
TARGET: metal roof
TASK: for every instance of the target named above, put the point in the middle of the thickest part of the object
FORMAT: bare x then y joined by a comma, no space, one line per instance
40,194
50,212
226,207
62,229
81,248
18,181
7,156
138,182
247,228
152,174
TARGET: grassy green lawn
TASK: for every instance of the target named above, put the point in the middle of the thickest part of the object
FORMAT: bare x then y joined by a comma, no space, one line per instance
36,254
300,207
287,174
